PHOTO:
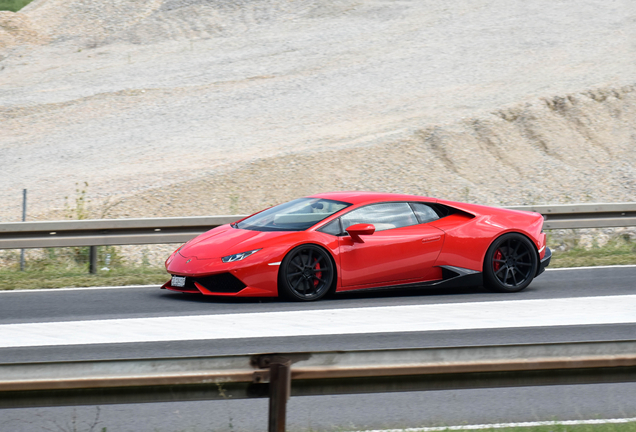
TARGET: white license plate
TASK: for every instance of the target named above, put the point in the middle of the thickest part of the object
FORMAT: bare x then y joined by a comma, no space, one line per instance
178,281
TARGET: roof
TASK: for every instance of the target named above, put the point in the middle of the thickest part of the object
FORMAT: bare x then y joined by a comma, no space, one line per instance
357,197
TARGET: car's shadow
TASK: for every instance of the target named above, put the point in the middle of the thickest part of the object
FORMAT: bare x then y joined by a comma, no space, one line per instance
409,292
344,297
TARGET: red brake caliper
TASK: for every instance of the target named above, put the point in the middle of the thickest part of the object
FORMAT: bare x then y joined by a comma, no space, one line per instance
318,275
498,256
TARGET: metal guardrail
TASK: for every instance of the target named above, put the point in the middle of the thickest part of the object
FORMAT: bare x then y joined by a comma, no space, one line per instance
105,232
279,376
19,235
575,216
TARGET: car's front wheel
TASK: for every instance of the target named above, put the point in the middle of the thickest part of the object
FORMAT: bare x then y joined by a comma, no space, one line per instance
306,273
510,264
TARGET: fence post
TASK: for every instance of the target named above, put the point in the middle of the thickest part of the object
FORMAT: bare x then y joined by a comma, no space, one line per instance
279,392
24,203
92,258
279,389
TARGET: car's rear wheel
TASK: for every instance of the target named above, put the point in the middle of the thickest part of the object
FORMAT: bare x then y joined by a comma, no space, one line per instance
306,273
510,264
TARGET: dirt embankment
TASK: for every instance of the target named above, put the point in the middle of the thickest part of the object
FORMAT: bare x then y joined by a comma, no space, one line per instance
18,29
192,107
98,23
571,148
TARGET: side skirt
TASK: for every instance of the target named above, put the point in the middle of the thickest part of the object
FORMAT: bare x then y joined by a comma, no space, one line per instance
451,277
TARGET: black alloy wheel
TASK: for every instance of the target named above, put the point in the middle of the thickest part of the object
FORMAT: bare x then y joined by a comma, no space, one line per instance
306,273
510,264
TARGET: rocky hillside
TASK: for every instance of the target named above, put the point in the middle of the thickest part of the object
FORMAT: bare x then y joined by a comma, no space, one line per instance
577,147
189,107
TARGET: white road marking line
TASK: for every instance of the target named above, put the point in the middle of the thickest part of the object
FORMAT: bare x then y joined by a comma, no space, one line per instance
592,267
508,425
157,286
386,319
40,290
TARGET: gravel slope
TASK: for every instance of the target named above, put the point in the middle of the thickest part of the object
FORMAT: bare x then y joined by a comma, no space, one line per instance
200,107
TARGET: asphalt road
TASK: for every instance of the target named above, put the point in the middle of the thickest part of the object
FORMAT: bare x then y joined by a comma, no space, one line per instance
90,304
80,305
318,413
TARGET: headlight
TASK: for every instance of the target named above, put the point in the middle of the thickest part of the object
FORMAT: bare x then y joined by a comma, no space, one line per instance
238,256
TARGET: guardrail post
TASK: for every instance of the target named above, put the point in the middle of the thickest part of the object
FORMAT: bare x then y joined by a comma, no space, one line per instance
279,389
92,258
24,203
279,392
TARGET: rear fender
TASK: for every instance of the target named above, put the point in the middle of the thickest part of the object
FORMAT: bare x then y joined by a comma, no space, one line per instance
468,239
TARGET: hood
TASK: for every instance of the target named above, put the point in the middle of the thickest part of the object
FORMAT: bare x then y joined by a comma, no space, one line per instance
225,240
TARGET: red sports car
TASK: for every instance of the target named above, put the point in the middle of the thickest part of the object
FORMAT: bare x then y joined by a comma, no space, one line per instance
344,241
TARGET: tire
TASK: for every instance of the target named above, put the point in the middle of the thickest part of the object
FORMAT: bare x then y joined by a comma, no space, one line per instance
510,264
306,274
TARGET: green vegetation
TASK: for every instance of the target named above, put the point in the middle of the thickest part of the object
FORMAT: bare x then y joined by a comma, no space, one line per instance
13,5
618,251
79,277
68,267
560,427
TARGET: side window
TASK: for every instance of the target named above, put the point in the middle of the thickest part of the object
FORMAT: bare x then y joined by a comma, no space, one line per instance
425,213
332,228
384,216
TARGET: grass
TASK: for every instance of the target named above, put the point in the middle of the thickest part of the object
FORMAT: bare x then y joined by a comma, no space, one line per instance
68,267
13,5
555,427
79,277
618,251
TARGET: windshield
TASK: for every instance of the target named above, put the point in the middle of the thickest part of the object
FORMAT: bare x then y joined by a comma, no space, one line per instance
297,215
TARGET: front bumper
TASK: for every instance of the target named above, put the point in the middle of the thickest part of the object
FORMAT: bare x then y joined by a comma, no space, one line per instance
253,277
545,261
222,284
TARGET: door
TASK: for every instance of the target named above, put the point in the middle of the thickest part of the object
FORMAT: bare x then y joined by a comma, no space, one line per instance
400,251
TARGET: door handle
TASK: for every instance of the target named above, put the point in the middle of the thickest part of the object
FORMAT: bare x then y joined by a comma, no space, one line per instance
431,239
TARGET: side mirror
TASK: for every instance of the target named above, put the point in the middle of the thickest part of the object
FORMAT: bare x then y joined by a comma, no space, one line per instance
355,231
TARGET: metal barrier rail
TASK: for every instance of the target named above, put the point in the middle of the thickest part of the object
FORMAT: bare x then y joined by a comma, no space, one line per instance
22,235
104,232
574,216
279,376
